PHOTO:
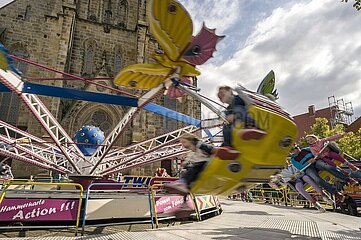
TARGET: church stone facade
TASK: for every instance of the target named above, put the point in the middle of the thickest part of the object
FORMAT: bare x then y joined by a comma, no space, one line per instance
94,39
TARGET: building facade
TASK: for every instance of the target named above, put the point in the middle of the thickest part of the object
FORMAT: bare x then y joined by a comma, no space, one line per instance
89,38
333,114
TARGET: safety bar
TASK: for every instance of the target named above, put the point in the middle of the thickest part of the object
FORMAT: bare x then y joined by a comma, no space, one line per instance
113,184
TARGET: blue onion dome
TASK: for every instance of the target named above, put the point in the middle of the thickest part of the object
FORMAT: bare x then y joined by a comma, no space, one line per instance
88,138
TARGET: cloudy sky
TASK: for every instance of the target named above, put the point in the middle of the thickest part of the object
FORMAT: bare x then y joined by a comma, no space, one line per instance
314,47
3,2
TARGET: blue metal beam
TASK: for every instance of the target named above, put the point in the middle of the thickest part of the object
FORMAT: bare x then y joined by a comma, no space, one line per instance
152,107
3,88
53,91
70,93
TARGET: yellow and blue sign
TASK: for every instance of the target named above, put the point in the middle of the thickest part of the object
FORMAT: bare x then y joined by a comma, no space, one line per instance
205,202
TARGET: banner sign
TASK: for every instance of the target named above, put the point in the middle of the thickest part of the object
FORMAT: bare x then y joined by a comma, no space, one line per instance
216,200
168,204
144,181
205,202
38,209
128,182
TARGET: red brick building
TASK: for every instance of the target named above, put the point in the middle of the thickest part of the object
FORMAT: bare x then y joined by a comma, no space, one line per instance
355,125
306,120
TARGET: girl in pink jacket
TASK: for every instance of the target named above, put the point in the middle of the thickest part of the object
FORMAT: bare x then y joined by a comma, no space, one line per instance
316,145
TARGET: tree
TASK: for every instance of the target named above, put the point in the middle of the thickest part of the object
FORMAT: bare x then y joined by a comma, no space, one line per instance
320,128
349,144
356,5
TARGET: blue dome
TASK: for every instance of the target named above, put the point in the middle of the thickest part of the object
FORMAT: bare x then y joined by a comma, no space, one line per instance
88,139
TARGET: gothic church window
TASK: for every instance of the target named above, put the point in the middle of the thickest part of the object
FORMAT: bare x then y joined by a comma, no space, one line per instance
115,12
93,10
169,123
101,119
118,62
122,13
10,103
107,6
27,15
89,55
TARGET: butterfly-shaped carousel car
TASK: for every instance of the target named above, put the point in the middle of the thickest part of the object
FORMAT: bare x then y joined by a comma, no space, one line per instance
180,52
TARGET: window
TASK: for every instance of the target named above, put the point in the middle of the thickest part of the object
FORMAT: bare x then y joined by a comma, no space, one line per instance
101,119
107,15
122,13
107,10
93,10
9,108
22,66
169,124
115,13
88,60
118,63
27,15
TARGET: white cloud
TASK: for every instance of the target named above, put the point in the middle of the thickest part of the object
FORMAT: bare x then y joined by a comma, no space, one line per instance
313,48
4,2
220,14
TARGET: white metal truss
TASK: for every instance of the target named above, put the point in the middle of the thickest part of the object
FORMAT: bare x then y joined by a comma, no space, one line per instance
36,147
31,155
46,119
25,158
147,147
149,144
167,152
66,157
102,151
151,155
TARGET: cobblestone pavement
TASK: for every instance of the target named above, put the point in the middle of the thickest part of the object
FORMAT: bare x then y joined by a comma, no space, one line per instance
239,220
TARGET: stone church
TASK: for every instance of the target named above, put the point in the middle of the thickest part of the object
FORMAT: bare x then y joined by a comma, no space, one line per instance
93,39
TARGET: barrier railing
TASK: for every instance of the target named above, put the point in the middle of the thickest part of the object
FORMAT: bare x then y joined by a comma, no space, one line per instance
54,194
6,189
121,185
286,196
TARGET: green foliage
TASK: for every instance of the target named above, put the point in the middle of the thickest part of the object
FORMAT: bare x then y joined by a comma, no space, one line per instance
302,143
320,128
350,143
356,5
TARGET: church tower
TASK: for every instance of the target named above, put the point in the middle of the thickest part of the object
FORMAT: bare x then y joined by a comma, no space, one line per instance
93,39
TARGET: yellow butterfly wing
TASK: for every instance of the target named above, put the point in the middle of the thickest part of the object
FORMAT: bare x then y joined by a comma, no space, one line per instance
142,76
3,61
171,25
